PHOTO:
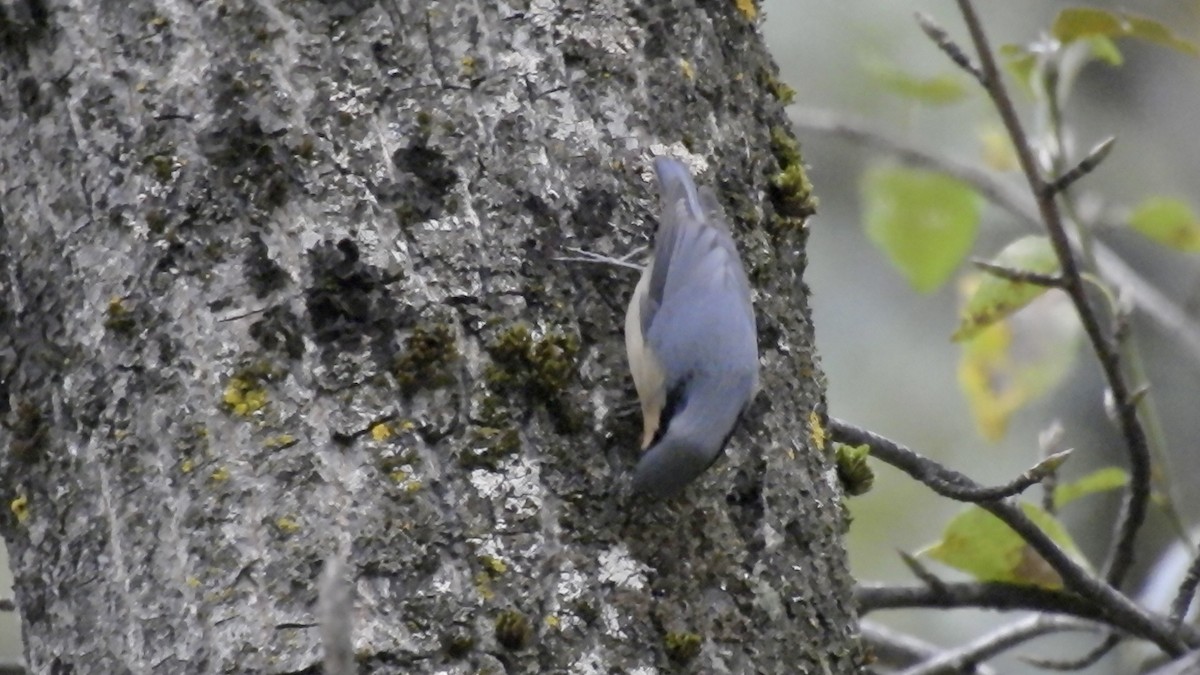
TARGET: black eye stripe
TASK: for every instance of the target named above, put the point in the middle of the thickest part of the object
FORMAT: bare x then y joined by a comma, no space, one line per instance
676,400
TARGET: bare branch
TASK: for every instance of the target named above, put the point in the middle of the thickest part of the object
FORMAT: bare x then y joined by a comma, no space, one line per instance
1137,495
997,642
900,650
1117,609
921,572
1086,661
1187,665
1187,591
942,480
974,594
1019,276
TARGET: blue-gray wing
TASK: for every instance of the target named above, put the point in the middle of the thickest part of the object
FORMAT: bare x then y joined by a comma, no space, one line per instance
694,254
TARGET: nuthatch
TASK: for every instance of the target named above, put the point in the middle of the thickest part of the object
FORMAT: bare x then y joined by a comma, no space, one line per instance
690,337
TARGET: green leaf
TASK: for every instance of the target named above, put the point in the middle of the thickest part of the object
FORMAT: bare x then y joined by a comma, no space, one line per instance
937,90
1100,480
1016,361
924,221
1106,50
1078,22
1083,23
980,544
997,298
1020,64
1160,34
1169,222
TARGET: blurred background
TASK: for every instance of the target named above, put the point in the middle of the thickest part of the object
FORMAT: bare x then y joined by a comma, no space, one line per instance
885,348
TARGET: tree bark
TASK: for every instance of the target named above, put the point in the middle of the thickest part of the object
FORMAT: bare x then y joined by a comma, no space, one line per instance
277,280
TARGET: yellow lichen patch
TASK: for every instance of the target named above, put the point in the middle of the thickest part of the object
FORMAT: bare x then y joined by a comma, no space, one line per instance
685,67
553,622
287,525
483,586
747,8
20,508
244,396
381,432
407,425
187,465
493,565
469,65
192,582
816,430
280,441
219,475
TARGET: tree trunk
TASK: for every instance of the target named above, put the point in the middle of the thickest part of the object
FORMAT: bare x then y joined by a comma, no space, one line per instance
277,280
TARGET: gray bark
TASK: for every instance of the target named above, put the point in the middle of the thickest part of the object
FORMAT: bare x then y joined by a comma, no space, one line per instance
277,285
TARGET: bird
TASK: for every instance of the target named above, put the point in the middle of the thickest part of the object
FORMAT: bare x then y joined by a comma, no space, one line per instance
690,337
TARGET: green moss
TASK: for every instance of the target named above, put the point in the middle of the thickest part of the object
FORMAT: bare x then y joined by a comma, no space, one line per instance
493,446
793,198
458,642
424,122
682,647
118,318
854,473
513,630
162,166
427,360
29,432
156,221
307,148
778,88
784,147
540,368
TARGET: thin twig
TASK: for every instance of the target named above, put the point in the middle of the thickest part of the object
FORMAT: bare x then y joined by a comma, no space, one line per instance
900,650
1117,609
586,256
1001,640
1084,167
1088,660
942,39
1187,591
1187,665
1050,442
1019,276
920,571
974,594
1137,495
942,480
1003,598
